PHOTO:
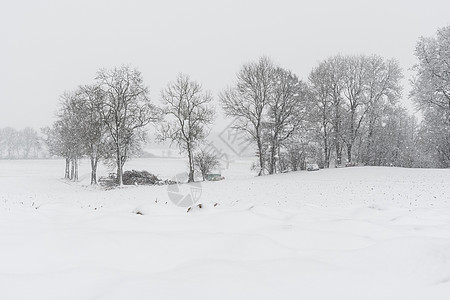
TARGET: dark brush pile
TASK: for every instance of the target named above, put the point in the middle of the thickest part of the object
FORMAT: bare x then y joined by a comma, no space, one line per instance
139,178
135,178
143,178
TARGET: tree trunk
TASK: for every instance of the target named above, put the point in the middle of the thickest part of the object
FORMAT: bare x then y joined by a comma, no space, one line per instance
75,177
67,170
338,154
326,147
261,157
272,159
119,169
72,170
191,167
326,154
303,163
191,161
94,162
349,152
352,137
328,158
369,159
280,167
119,164
119,158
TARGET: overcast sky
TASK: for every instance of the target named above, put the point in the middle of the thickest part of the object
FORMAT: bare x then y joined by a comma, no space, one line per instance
48,47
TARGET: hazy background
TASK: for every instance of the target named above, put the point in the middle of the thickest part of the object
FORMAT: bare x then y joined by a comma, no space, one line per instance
48,47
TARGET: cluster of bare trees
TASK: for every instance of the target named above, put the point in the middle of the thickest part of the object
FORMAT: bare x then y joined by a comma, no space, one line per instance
348,103
270,104
18,144
104,120
347,112
107,120
354,98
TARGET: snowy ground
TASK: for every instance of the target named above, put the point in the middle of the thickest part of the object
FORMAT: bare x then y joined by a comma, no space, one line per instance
353,233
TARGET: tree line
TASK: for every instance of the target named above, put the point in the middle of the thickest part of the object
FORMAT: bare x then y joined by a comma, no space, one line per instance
20,144
347,112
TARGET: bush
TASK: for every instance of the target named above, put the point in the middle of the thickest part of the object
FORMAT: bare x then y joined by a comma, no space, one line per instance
205,162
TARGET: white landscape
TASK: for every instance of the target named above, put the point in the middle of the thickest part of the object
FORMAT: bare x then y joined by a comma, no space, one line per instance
346,233
286,150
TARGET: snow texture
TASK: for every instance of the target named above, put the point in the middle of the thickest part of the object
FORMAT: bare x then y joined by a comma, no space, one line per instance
349,233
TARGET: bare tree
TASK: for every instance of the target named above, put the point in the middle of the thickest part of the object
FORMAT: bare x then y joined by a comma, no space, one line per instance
431,85
354,82
54,145
383,90
70,128
286,111
248,99
93,127
327,84
62,138
296,155
10,142
393,138
205,162
431,93
78,130
30,142
434,138
322,110
189,113
18,144
126,110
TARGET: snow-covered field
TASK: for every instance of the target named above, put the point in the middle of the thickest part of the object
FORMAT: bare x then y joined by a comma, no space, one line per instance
352,233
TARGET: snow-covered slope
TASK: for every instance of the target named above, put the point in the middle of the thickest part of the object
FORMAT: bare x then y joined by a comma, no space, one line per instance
353,233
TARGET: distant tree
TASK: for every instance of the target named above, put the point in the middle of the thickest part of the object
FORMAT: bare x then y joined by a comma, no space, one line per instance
188,112
2,143
205,162
30,142
247,101
54,138
126,109
10,142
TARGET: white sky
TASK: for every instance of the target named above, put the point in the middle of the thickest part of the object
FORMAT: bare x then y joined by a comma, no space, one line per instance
48,47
